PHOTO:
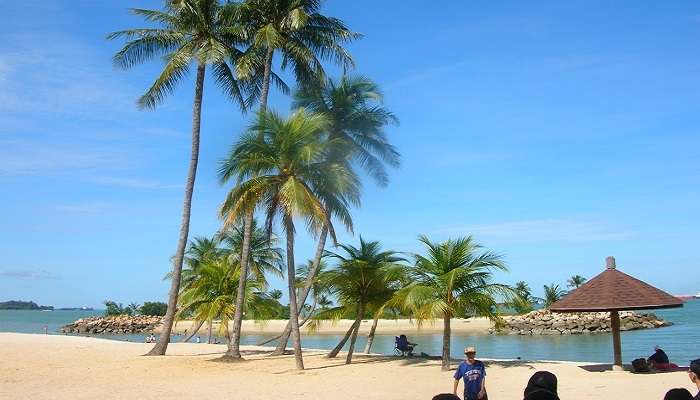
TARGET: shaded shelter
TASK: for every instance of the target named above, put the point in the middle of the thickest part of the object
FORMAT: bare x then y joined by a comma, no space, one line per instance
614,291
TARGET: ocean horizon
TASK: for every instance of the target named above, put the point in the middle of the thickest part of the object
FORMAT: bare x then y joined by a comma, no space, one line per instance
681,341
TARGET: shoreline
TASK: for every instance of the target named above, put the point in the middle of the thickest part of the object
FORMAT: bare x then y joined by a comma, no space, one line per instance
384,327
40,366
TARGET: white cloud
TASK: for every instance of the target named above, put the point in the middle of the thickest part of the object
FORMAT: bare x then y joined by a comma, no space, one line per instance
136,183
544,230
34,274
93,207
24,157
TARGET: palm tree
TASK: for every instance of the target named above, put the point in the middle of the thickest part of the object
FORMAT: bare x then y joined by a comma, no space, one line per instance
303,37
523,302
190,32
575,281
452,279
209,297
363,281
282,165
353,107
552,294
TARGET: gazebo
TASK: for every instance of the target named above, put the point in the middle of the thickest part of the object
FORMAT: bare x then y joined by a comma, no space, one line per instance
614,291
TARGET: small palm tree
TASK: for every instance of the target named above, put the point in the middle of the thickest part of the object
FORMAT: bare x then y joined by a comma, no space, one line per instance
210,296
190,32
575,281
552,294
524,301
453,279
363,281
282,165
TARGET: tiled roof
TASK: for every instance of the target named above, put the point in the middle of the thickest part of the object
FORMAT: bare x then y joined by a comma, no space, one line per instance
615,290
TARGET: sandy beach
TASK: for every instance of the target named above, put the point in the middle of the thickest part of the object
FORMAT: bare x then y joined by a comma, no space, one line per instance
385,326
68,367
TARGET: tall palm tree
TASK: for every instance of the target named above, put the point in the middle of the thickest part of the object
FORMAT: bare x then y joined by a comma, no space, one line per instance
552,294
523,301
189,32
303,37
363,281
282,165
353,106
575,281
453,279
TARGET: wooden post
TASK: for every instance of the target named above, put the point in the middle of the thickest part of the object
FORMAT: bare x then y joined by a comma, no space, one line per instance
617,348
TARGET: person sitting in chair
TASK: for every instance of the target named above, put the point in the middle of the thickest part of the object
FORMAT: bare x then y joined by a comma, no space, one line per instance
658,360
404,346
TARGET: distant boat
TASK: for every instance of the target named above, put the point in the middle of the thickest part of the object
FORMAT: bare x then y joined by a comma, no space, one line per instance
697,296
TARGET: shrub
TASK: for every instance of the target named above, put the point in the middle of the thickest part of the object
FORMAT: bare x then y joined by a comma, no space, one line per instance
154,308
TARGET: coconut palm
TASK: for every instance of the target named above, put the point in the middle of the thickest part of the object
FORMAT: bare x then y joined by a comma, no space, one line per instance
453,279
552,294
353,107
296,31
303,37
575,281
282,166
189,32
209,297
523,301
363,281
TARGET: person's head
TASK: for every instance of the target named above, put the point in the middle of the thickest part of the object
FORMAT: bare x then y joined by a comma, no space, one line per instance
542,385
678,394
446,396
694,371
470,353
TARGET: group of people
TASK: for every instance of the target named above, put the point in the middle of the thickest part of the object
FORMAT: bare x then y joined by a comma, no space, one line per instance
542,384
151,338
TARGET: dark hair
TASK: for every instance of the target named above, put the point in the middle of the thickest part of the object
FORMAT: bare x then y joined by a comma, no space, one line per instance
695,367
541,380
541,394
446,396
678,394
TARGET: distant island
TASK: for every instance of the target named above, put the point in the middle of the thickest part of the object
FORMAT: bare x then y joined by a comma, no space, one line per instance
22,305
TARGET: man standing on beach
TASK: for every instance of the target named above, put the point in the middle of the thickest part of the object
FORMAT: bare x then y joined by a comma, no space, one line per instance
694,373
473,372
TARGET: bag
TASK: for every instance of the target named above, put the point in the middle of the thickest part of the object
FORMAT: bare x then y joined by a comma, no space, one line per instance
640,365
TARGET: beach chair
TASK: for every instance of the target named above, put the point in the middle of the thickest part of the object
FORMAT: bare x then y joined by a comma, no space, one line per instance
402,348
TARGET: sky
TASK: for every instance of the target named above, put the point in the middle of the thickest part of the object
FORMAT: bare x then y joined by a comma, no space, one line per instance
556,133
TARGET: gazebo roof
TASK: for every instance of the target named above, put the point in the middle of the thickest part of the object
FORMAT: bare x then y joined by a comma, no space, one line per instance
615,290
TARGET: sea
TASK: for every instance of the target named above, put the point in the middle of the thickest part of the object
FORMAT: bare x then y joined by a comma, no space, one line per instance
681,341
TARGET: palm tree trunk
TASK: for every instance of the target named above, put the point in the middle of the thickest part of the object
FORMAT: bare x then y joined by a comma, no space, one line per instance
370,337
446,333
194,332
345,338
291,279
211,325
353,339
266,80
162,344
234,345
282,344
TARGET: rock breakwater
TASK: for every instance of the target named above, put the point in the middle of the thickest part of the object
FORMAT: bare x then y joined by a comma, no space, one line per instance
116,324
545,322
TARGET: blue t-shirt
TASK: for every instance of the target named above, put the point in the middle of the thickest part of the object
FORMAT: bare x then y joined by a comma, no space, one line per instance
472,374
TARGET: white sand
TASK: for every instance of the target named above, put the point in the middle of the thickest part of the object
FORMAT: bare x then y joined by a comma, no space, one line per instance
65,367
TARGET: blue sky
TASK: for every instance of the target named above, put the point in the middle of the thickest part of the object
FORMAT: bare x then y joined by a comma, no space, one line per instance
557,133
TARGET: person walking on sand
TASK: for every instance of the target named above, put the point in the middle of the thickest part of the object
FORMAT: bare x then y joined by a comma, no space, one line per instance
694,374
473,372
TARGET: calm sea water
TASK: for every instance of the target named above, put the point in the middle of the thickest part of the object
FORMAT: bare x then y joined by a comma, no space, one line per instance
681,341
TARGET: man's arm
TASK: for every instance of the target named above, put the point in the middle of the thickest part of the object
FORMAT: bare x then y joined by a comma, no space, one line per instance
454,390
483,387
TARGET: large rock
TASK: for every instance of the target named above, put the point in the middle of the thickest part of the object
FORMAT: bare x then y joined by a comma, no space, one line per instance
544,322
112,325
